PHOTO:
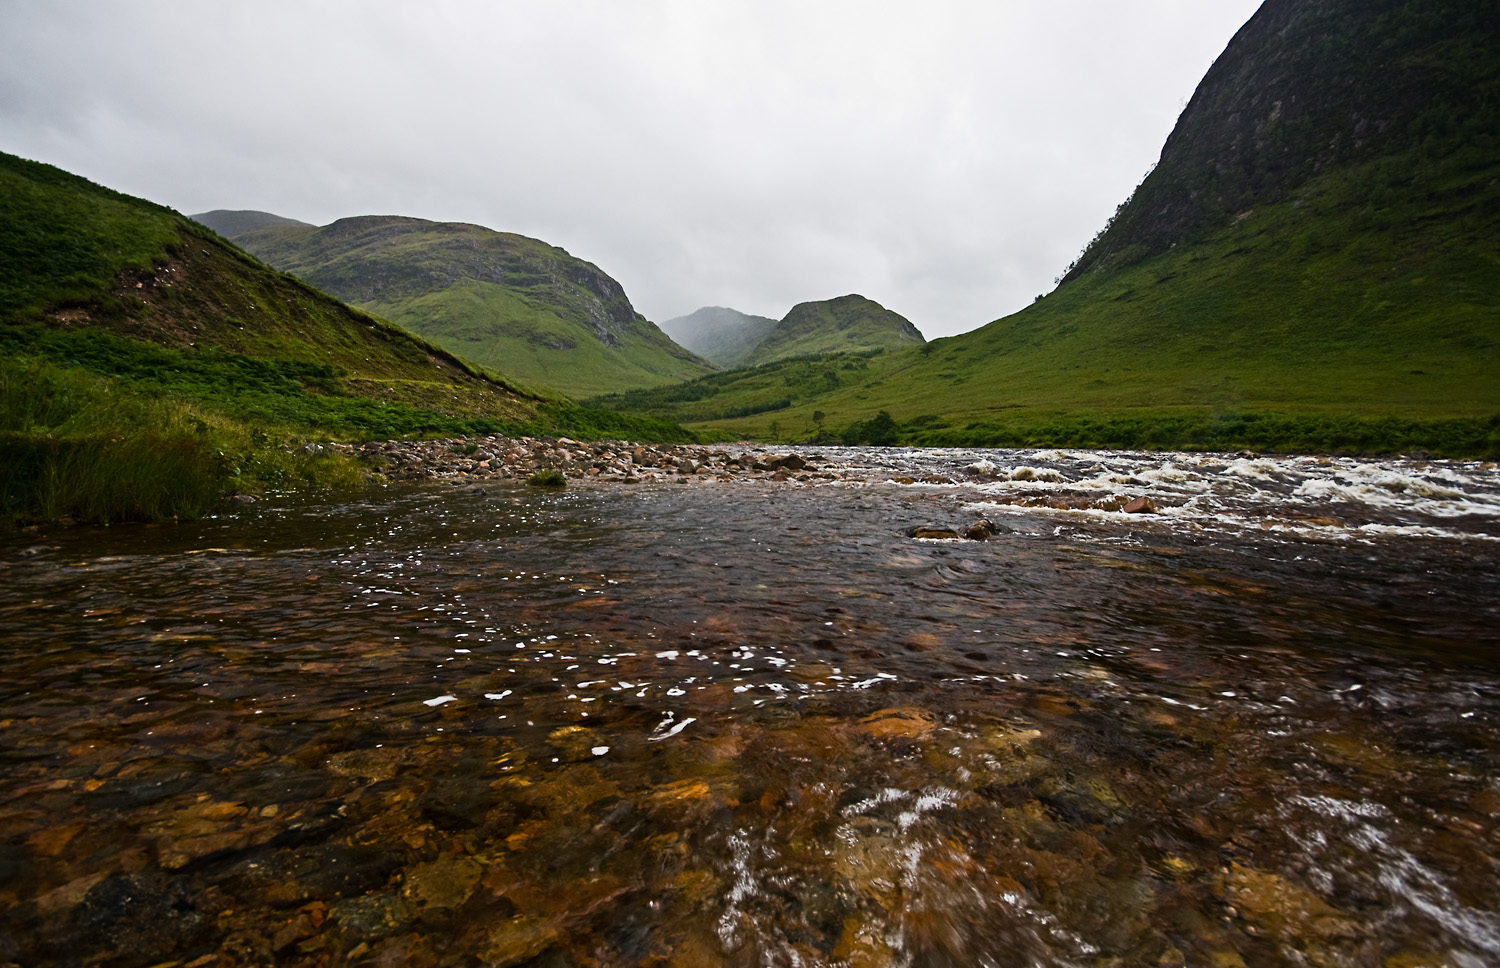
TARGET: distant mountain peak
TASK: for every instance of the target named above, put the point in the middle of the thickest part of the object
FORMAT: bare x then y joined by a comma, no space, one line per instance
230,223
845,323
717,333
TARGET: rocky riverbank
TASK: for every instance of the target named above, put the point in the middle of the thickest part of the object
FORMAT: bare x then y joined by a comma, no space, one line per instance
479,459
476,460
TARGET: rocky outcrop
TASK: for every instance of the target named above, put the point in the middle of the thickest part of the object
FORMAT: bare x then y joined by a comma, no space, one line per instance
1307,86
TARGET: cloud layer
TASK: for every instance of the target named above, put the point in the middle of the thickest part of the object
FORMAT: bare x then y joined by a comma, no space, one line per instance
945,159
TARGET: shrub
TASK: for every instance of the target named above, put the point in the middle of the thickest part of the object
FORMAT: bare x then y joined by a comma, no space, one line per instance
880,430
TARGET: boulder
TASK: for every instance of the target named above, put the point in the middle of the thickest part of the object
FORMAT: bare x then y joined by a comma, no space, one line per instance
980,530
790,462
1139,505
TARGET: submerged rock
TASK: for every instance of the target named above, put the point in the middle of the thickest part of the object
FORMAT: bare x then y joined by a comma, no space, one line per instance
442,885
903,723
371,916
577,743
518,940
134,919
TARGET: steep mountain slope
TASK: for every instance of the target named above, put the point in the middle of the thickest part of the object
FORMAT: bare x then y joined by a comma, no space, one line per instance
1309,87
1314,264
846,324
723,336
499,299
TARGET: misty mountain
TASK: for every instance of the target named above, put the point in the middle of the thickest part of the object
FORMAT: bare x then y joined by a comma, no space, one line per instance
724,336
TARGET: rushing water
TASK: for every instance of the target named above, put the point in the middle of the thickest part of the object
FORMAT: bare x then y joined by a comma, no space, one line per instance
757,724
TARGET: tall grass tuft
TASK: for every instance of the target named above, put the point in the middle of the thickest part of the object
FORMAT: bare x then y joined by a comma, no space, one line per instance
72,445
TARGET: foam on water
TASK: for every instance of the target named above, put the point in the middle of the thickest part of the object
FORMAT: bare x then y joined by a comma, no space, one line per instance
1311,496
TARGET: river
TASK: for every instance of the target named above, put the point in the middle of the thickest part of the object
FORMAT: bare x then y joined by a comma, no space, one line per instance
692,723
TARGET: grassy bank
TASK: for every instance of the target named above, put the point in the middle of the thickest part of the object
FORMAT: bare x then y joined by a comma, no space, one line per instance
76,445
1340,434
104,428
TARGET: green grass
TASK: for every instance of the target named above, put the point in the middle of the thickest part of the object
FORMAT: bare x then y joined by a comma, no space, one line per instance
848,324
1303,433
74,444
526,338
747,391
63,239
1314,264
547,478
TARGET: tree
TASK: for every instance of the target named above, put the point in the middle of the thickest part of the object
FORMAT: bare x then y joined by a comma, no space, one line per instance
880,430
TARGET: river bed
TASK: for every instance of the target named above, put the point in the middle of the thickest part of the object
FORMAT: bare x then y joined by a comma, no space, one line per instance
750,722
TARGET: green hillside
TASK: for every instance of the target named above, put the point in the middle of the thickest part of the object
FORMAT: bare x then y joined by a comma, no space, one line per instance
147,366
723,336
848,324
1314,264
501,300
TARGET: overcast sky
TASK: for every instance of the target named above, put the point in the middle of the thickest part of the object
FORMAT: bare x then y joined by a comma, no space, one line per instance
946,159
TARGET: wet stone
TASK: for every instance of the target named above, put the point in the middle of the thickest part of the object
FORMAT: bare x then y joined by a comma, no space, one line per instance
518,941
441,885
905,723
368,917
1279,906
456,803
133,919
577,743
287,878
981,530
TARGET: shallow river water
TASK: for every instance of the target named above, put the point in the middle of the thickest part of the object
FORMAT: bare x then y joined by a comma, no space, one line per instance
755,723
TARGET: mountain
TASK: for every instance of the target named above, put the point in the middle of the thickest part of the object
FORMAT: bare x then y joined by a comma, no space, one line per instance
147,366
1313,264
1307,89
502,300
723,336
229,224
846,324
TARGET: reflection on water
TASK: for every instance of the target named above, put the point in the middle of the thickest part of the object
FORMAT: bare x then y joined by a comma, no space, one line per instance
757,724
